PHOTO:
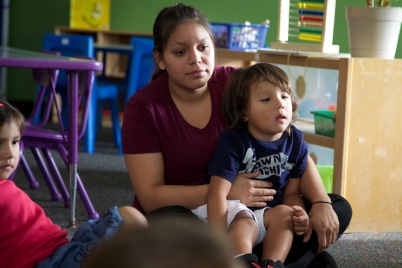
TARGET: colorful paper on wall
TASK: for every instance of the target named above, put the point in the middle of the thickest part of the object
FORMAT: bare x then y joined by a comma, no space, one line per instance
90,14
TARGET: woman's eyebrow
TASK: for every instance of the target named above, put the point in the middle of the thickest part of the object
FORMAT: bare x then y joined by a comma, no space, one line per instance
184,43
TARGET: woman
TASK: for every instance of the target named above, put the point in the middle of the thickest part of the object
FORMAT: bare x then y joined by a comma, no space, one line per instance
171,128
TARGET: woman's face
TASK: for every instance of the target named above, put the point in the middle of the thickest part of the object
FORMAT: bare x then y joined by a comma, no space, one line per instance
188,58
9,149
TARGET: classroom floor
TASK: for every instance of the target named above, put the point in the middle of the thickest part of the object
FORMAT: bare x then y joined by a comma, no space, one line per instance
106,180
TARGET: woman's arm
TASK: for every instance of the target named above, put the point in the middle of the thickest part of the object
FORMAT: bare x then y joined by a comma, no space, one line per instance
323,219
146,173
291,195
217,203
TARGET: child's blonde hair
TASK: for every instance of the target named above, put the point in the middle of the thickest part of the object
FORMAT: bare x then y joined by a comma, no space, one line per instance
236,97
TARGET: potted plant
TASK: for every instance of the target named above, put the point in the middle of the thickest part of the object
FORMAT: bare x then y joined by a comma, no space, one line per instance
374,30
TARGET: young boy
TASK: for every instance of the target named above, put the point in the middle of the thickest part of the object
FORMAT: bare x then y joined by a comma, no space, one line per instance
259,107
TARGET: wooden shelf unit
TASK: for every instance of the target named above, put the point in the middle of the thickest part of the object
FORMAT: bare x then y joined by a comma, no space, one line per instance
116,64
368,136
103,36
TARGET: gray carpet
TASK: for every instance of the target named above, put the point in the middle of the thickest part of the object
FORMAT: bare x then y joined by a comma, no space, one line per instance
106,180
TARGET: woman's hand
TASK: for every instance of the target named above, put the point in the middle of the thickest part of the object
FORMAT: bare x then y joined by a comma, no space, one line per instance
324,221
252,193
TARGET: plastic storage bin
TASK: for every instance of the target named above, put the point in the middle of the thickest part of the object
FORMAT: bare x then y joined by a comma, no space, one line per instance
238,36
324,122
326,173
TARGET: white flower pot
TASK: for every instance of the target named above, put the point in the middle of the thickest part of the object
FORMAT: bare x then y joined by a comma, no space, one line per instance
373,31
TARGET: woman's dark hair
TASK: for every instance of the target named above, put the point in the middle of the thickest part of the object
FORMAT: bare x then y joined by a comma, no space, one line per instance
166,23
236,95
9,114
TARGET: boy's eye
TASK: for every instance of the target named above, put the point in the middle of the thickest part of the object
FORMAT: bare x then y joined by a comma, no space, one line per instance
265,100
14,142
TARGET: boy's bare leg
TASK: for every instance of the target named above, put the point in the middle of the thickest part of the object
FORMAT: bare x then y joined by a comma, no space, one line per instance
242,233
278,240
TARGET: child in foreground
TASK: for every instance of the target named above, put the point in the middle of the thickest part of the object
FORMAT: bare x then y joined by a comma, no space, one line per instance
259,107
167,243
27,237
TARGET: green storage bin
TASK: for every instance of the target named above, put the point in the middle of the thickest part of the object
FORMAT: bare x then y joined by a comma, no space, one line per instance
326,173
324,122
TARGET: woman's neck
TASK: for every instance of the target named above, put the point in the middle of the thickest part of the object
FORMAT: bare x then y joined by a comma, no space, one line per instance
182,96
194,105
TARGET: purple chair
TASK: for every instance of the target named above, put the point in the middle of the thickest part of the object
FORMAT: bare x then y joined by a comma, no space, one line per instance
42,140
44,80
83,45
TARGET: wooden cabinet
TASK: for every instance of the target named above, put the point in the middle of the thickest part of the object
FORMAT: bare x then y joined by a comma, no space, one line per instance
368,135
116,63
103,36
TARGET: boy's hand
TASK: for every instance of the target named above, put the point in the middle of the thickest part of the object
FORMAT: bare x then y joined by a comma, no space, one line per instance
300,220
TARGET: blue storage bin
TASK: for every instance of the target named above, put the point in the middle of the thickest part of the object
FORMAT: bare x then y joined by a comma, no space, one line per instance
239,36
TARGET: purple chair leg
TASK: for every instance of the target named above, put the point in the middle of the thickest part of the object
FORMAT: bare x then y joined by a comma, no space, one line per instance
46,175
92,214
33,183
57,177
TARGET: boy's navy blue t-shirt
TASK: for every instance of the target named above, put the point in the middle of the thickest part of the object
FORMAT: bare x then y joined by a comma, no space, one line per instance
239,152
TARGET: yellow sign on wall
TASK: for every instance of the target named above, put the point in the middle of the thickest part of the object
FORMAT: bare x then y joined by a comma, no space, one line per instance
90,14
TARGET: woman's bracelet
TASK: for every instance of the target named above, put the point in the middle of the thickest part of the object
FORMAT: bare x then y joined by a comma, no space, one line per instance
325,202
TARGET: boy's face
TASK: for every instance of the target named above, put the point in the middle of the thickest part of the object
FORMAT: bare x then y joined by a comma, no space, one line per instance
270,111
9,149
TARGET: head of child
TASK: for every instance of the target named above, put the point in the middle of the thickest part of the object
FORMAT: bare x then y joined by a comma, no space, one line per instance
260,98
182,36
11,127
175,243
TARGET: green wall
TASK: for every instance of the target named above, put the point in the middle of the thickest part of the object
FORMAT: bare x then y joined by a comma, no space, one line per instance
29,20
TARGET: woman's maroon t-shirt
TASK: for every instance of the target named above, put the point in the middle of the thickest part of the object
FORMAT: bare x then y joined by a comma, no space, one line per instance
152,123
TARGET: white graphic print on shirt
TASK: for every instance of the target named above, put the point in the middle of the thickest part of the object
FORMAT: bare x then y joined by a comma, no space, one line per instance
272,165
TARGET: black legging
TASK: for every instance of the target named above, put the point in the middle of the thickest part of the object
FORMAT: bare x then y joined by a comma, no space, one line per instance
301,254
